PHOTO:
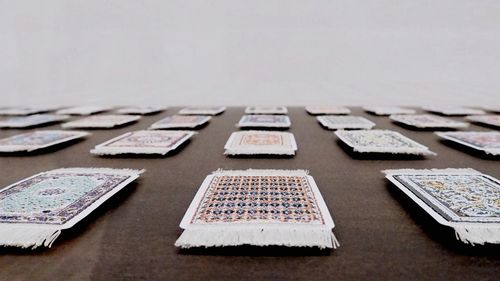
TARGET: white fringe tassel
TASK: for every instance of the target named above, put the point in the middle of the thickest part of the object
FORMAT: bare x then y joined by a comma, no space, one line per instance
478,235
220,237
465,171
258,152
27,236
262,172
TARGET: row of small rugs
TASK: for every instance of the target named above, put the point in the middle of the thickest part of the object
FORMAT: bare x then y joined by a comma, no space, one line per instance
137,142
356,132
257,116
188,117
143,110
247,142
251,142
401,115
139,110
245,207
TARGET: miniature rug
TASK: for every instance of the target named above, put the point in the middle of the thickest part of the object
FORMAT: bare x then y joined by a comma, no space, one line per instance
266,110
453,110
32,141
490,120
258,207
488,142
388,110
464,199
181,121
202,110
344,122
84,110
143,142
424,121
264,121
327,109
102,121
381,141
260,143
32,120
140,110
35,210
23,110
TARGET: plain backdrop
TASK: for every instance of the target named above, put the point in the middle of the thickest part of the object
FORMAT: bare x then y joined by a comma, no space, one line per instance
352,52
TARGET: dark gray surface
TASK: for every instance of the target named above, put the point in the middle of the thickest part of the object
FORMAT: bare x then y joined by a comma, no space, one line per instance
382,233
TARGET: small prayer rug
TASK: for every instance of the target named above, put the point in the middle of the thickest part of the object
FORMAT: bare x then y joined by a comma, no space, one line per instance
381,141
260,143
84,110
181,121
35,210
453,110
327,110
464,199
490,120
143,142
32,120
264,121
258,207
216,110
344,122
38,140
488,142
266,110
424,121
102,121
140,110
388,110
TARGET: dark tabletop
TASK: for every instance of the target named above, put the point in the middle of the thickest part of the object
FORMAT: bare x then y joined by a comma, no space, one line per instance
382,234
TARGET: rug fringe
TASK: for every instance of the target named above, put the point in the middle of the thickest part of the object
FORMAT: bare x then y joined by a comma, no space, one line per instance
28,236
237,236
492,151
18,148
103,151
413,151
263,172
258,152
95,170
431,171
478,235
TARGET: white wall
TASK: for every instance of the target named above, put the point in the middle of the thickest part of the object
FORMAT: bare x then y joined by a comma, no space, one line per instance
250,52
